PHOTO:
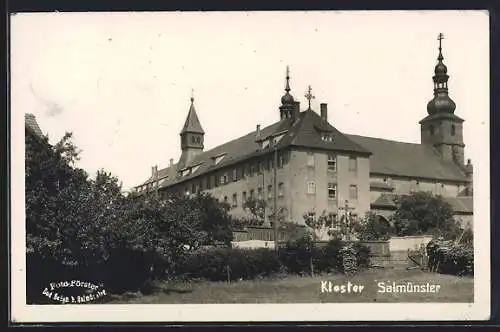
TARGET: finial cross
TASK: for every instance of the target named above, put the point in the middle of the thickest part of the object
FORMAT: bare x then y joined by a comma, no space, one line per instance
440,38
192,95
309,96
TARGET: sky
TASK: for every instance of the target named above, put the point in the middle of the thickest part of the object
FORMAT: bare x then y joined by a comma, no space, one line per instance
121,82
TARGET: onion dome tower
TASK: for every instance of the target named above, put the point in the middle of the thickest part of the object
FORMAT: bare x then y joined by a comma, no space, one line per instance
288,108
441,128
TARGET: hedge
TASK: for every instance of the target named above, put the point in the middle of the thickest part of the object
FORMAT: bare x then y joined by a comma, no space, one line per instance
223,264
450,258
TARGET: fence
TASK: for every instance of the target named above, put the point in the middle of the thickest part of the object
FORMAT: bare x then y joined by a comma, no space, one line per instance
260,234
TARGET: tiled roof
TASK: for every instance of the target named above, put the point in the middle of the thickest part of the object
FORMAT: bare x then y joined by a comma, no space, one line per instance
30,122
408,159
303,133
458,204
192,123
461,204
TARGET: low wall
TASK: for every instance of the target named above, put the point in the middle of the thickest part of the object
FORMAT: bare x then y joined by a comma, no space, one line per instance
403,243
253,244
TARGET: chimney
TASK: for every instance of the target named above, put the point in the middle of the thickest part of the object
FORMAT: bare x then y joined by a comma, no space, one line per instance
154,171
257,133
171,161
324,111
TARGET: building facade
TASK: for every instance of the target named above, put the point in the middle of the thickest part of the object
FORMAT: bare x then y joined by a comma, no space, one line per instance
302,164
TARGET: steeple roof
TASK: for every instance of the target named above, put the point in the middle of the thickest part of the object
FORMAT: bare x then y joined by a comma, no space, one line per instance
192,124
441,103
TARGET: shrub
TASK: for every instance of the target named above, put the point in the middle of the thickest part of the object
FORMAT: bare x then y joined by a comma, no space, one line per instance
213,264
451,259
362,255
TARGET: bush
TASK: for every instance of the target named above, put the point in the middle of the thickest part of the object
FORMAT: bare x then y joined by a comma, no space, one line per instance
213,264
362,255
451,259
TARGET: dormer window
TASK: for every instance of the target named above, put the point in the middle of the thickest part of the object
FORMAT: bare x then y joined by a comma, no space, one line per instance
217,159
195,168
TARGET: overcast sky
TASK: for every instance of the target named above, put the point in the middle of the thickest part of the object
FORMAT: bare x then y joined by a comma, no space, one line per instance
121,82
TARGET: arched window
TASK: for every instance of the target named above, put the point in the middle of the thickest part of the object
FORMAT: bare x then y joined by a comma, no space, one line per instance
198,139
452,130
193,139
431,130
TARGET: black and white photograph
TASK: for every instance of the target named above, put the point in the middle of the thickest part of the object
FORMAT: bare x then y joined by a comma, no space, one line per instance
250,166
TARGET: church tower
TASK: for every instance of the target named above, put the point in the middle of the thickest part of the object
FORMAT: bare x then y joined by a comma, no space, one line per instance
192,137
442,129
289,108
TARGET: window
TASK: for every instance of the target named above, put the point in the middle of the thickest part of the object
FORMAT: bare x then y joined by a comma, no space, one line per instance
332,162
224,178
327,137
193,188
198,139
252,169
353,191
245,170
193,139
259,167
244,197
235,175
225,199
235,200
310,159
216,181
259,193
311,187
269,192
332,190
281,159
452,130
271,163
281,189
353,163
252,194
431,130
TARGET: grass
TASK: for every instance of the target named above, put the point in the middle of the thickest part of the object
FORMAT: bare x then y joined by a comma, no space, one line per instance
295,289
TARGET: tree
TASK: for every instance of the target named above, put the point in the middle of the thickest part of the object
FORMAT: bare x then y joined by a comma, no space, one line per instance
374,228
421,213
257,208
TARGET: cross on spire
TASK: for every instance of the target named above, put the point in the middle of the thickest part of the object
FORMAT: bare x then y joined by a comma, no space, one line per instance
440,38
309,96
287,87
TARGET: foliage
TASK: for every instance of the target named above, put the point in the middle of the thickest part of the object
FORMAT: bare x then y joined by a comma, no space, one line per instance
223,264
447,257
257,208
424,213
374,228
216,221
297,254
362,255
84,228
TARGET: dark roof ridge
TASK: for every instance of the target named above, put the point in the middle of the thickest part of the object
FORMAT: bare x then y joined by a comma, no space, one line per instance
381,139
